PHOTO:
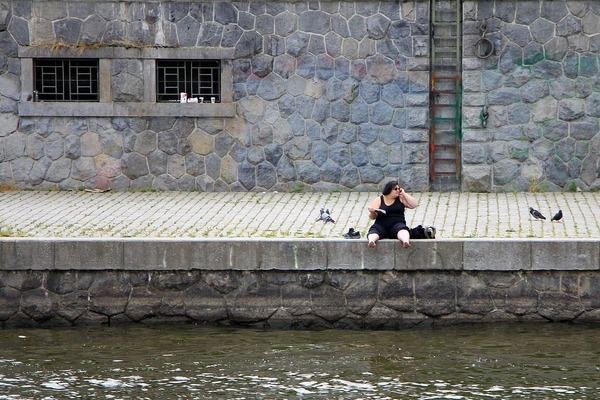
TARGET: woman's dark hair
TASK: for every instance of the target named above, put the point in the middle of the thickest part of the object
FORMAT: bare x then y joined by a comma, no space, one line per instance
387,189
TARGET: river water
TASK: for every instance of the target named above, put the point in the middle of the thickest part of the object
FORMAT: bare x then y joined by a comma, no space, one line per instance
506,361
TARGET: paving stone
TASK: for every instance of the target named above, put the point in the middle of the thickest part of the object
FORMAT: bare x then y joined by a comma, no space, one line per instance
273,214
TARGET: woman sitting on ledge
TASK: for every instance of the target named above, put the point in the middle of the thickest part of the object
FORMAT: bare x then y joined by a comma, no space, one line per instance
388,212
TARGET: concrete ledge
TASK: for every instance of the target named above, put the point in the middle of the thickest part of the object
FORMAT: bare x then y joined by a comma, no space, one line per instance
505,255
23,254
431,255
298,254
560,255
93,254
111,110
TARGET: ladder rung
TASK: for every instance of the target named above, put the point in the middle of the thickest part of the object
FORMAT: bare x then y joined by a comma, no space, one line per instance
449,136
446,62
445,77
446,132
444,37
445,49
444,173
445,119
443,146
439,91
448,68
444,159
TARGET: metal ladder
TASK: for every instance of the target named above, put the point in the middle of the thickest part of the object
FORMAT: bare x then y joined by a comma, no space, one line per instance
445,95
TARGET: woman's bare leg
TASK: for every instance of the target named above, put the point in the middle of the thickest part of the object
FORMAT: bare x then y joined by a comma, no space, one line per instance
404,237
372,238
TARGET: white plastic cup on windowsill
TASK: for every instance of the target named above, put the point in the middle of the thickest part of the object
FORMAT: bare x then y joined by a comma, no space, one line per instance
212,99
183,97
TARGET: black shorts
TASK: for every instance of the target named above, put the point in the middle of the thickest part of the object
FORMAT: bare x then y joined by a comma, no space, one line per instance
389,233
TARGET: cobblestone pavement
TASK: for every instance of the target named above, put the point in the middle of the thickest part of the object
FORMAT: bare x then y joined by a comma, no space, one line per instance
281,215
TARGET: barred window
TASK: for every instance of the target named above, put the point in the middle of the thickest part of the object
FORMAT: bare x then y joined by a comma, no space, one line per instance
199,79
66,79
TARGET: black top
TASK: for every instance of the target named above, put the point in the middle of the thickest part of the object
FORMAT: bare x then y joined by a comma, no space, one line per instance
393,215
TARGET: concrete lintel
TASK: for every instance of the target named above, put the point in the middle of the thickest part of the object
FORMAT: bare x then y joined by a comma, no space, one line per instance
127,52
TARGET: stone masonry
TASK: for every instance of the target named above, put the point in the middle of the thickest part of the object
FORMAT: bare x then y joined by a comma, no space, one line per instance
294,300
332,283
323,95
329,95
541,87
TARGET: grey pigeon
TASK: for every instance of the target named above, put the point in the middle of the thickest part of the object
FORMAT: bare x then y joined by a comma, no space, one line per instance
324,215
558,216
535,213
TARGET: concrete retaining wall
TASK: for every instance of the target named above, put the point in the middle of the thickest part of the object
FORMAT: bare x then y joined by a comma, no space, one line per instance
297,283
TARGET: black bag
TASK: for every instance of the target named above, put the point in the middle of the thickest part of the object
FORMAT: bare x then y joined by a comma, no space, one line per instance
420,232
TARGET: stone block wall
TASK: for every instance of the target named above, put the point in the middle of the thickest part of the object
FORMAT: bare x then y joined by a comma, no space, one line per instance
541,88
297,283
323,95
327,95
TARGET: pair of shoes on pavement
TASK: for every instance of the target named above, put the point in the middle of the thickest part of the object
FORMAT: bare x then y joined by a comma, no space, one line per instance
352,234
430,232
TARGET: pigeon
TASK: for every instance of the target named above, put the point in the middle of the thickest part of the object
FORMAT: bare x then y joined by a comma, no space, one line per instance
558,216
324,215
535,213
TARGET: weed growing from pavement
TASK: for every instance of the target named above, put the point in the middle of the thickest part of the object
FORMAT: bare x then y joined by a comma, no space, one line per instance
534,185
8,188
10,232
573,186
